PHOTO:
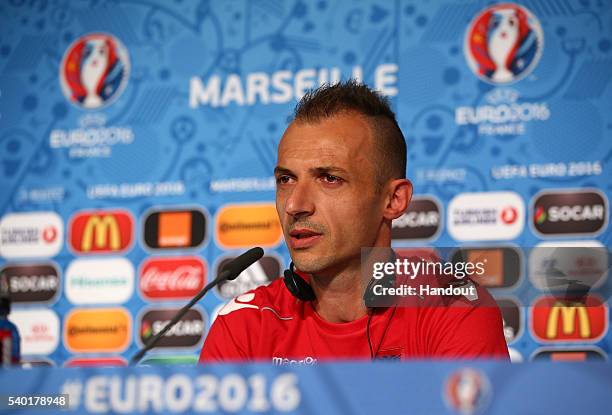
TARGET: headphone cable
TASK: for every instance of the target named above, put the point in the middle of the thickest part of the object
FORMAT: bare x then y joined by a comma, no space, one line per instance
370,314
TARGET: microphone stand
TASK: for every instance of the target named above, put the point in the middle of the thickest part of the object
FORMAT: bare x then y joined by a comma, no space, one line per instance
230,272
179,315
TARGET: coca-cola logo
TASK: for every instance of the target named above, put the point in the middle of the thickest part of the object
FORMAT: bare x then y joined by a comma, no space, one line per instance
172,277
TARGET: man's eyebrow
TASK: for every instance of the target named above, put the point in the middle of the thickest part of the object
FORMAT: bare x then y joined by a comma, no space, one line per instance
328,170
278,170
315,171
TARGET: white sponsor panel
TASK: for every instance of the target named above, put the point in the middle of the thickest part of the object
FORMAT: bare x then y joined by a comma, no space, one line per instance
487,216
99,281
31,235
39,330
557,265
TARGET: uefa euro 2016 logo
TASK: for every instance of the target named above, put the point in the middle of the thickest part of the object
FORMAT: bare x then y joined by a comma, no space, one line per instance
94,70
503,43
467,391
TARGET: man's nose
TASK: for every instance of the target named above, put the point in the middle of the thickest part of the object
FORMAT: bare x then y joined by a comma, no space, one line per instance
300,202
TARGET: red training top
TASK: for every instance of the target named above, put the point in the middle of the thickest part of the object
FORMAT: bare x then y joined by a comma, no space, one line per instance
270,324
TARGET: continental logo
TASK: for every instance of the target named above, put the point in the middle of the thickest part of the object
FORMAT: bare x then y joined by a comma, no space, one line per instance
569,320
262,272
240,226
96,232
174,229
421,220
188,332
30,283
502,265
580,212
97,330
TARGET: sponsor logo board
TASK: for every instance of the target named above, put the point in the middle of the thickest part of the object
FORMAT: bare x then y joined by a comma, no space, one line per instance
174,228
577,266
486,216
98,232
570,354
97,330
39,330
188,332
502,265
569,213
247,225
99,281
421,221
96,362
29,283
262,272
30,235
580,319
169,278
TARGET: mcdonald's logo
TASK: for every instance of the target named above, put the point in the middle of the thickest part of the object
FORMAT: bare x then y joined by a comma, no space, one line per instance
555,319
96,232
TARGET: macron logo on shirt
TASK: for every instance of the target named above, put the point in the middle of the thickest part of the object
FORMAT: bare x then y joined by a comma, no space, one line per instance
283,361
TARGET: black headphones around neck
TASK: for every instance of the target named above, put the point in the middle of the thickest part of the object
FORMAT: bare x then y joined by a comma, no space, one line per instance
301,290
296,285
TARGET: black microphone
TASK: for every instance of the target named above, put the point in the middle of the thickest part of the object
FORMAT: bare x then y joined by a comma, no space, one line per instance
229,272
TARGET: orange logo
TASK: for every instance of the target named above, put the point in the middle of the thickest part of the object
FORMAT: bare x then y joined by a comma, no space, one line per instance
97,330
174,229
240,226
563,320
101,231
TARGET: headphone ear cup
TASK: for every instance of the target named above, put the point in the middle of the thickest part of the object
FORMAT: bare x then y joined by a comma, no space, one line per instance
299,288
371,299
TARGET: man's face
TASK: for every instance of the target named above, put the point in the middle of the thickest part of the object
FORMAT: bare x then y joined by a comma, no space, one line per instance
326,194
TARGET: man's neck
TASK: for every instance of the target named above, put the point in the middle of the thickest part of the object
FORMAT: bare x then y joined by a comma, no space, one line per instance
340,296
340,293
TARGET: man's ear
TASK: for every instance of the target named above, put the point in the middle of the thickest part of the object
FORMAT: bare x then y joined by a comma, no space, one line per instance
399,196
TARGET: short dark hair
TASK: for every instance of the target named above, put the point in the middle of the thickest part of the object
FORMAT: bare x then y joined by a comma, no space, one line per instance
352,96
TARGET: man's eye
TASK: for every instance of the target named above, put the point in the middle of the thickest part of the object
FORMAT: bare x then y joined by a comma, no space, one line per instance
328,178
283,179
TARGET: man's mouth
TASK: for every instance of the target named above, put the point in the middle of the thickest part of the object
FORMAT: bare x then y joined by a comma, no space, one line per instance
302,238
